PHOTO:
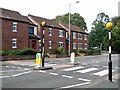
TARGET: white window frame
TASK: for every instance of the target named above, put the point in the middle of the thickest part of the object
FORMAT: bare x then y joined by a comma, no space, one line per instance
60,44
14,42
74,35
85,37
50,31
60,33
74,46
85,46
15,26
79,45
50,44
79,36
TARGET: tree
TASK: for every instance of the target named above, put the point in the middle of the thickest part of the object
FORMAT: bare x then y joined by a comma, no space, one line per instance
115,36
75,19
98,31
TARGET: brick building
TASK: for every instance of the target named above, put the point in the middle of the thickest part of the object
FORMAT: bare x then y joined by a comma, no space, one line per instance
15,28
20,32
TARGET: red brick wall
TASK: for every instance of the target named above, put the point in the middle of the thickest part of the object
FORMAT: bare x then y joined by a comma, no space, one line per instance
7,35
78,41
54,38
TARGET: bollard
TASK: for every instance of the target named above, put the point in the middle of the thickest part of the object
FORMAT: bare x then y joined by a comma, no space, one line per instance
38,60
72,57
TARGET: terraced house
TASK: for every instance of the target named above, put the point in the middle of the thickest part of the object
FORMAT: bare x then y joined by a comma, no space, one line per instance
20,32
16,31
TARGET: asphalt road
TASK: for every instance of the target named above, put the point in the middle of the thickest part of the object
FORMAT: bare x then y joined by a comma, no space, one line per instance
90,71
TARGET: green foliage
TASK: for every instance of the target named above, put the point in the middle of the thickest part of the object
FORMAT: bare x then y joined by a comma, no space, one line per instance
82,50
98,32
27,51
60,50
75,19
115,36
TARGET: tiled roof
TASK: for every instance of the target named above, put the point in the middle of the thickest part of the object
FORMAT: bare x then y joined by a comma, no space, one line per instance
72,27
49,22
14,15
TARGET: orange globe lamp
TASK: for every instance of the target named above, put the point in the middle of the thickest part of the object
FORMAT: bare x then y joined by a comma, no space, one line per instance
109,25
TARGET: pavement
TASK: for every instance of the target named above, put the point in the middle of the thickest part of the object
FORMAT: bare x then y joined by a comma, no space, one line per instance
108,84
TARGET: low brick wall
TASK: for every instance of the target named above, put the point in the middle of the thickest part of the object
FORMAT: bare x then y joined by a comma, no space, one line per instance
18,57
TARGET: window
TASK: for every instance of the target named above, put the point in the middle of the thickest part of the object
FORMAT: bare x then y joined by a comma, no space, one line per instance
60,33
79,36
85,46
85,37
50,44
14,43
50,31
31,30
14,27
80,46
74,35
74,45
60,44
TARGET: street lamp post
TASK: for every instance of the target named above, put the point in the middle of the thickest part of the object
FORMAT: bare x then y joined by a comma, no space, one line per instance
69,26
109,26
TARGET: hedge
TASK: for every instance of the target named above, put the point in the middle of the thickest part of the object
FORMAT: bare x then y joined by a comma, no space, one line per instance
26,51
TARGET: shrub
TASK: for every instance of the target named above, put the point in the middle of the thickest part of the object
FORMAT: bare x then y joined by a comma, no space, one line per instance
82,50
27,51
60,50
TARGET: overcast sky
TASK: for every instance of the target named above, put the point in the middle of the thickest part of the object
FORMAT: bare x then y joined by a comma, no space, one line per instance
51,8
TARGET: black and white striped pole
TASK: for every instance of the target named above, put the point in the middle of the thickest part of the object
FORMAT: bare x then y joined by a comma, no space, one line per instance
109,26
43,40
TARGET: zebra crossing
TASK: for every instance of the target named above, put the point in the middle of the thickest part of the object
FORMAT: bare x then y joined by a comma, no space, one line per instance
95,71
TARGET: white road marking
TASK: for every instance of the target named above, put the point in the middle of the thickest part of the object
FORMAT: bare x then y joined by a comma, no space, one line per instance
32,65
53,74
21,73
4,76
14,70
117,67
71,86
19,67
73,68
7,66
87,70
105,66
47,64
42,71
87,80
84,63
26,69
97,61
67,76
95,65
102,73
13,67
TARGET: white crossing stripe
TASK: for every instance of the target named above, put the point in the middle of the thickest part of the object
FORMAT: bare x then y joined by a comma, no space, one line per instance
21,73
102,73
4,76
71,86
73,68
87,80
67,76
87,70
53,74
47,64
